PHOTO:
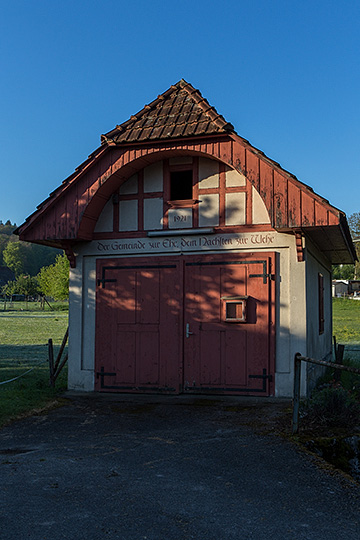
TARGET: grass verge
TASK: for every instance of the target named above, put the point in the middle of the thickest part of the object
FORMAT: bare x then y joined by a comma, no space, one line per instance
346,320
23,338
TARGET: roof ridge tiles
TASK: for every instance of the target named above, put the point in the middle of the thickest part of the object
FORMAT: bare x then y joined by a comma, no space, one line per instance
170,105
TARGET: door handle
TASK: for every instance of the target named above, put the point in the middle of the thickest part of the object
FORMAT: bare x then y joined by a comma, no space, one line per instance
188,333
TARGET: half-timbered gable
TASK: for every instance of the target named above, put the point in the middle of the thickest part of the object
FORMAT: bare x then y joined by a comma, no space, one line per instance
181,193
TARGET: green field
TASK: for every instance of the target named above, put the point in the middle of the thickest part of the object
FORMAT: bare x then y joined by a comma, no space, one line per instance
346,320
23,346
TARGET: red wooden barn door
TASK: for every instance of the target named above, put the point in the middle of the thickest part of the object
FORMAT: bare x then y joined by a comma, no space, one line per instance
214,335
138,320
228,318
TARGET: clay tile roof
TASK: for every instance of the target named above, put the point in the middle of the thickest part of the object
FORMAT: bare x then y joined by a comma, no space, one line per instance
181,111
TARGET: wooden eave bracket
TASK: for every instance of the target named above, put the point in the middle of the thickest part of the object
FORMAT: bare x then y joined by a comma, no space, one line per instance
70,255
299,246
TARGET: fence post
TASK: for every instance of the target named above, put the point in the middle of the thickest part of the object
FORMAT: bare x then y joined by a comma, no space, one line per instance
58,358
339,359
51,362
296,396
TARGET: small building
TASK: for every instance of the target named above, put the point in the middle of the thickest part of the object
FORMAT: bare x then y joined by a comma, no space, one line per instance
340,287
198,264
354,286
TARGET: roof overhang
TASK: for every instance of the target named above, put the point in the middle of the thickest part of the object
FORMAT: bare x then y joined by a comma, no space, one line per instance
333,241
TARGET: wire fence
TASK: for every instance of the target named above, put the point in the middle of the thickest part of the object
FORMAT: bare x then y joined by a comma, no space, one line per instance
22,374
352,352
18,303
297,381
27,366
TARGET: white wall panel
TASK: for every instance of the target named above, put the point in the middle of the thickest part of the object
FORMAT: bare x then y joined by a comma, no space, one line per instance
180,218
130,187
209,210
153,177
260,214
153,214
105,221
235,208
128,215
208,173
234,179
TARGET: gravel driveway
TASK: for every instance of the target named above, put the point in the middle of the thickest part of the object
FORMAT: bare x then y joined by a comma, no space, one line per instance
162,468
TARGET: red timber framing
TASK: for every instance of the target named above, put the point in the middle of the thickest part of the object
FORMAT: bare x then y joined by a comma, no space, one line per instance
168,324
70,214
139,195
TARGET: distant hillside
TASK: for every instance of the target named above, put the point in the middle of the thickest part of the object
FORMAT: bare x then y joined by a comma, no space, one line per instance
34,256
6,235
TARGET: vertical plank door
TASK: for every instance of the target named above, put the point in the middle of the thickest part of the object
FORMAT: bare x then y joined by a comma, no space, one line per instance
138,323
226,349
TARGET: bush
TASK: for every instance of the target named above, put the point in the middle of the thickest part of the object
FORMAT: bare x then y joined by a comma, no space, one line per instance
333,406
23,285
54,279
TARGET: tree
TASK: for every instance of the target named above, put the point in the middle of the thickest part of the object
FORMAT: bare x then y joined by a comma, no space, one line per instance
354,225
343,271
7,228
14,256
350,271
6,235
23,284
38,256
54,279
33,256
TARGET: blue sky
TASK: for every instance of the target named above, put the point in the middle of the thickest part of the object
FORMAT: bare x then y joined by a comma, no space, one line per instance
284,73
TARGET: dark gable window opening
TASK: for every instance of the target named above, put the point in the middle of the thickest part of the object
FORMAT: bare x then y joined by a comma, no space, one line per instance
181,185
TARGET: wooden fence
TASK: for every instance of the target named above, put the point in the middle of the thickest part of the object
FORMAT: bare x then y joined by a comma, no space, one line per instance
56,367
297,379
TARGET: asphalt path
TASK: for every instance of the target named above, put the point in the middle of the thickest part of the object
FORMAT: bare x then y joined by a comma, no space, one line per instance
161,468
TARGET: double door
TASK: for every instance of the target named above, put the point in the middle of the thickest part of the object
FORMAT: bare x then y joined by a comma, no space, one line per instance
200,324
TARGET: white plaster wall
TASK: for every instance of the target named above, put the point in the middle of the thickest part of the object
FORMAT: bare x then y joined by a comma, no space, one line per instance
105,221
88,307
283,312
291,318
153,214
180,218
130,187
153,177
82,325
208,173
128,215
209,210
260,214
235,208
319,346
234,178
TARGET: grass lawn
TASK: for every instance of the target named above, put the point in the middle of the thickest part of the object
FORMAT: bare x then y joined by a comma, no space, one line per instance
346,320
23,346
